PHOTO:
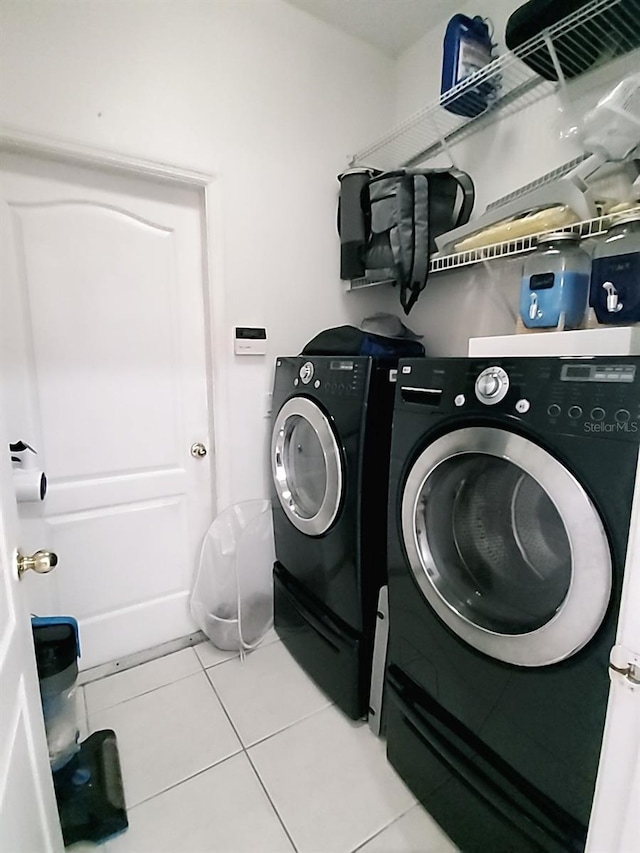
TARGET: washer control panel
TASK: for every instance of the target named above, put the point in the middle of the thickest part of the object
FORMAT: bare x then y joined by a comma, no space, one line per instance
597,396
575,396
598,373
492,385
339,377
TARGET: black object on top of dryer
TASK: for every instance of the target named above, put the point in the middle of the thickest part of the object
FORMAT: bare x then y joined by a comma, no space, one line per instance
348,340
329,461
511,485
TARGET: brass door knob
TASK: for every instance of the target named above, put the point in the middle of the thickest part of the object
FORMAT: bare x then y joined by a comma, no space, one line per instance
41,562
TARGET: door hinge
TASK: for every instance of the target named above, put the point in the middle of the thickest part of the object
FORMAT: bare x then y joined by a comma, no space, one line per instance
624,665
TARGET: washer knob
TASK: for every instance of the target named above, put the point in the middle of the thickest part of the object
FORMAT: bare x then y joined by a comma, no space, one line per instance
492,385
488,385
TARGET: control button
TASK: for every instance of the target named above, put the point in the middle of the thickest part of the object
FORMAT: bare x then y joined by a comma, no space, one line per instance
306,372
459,400
316,384
554,410
296,381
488,385
523,406
622,416
575,412
492,385
597,414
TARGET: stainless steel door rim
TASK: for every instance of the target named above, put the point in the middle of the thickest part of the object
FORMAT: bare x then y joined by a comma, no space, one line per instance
583,608
294,411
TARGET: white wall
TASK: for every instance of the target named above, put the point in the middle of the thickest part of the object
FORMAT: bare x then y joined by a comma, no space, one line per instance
272,101
266,97
501,158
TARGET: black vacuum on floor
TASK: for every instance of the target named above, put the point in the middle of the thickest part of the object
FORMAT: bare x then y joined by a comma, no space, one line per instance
86,776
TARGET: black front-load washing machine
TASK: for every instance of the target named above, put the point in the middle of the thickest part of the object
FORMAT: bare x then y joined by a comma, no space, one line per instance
330,461
511,484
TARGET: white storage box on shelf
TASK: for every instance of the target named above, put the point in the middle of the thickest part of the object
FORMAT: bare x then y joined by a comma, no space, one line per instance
624,340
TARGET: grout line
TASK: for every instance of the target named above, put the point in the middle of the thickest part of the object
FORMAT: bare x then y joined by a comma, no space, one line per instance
329,704
186,779
245,750
236,655
142,693
226,713
383,829
218,662
273,806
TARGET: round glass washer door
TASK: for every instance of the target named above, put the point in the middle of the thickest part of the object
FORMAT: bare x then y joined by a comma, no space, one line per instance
306,466
506,546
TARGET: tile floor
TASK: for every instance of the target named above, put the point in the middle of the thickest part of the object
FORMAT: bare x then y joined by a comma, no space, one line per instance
221,755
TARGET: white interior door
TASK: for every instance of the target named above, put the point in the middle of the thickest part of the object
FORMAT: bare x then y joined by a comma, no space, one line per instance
28,813
103,349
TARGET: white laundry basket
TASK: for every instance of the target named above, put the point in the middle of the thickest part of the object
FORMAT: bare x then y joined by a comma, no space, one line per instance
232,599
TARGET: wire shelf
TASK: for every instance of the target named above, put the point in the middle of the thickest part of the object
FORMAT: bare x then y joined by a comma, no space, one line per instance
599,32
507,249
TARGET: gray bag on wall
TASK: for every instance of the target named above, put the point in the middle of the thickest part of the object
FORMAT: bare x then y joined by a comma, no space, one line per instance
399,215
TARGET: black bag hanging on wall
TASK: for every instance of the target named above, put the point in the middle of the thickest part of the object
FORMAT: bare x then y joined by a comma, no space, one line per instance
395,217
354,224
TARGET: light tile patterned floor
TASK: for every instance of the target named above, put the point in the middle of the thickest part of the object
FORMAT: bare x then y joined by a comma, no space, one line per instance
221,755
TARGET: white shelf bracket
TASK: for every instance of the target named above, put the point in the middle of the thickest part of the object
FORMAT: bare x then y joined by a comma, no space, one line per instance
556,63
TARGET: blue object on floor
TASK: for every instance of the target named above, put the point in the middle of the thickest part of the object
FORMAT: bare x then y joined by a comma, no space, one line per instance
90,793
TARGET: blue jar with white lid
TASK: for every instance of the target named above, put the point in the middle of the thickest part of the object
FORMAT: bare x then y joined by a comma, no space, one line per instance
554,290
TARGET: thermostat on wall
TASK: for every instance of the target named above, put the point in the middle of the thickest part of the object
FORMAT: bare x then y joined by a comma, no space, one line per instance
250,341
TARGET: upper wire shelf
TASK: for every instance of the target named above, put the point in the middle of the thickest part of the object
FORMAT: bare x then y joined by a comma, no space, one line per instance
509,248
598,32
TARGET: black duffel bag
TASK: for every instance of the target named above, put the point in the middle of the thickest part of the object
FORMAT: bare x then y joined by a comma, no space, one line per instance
582,47
348,340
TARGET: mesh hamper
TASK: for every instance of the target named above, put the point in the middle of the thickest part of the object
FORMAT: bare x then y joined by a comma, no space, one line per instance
232,599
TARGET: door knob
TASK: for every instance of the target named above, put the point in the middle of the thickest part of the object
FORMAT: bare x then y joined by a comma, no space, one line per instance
198,450
41,562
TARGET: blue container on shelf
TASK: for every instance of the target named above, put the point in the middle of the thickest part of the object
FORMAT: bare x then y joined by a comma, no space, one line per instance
555,283
467,48
615,273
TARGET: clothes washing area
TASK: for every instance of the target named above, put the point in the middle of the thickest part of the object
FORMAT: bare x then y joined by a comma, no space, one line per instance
491,676
359,570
